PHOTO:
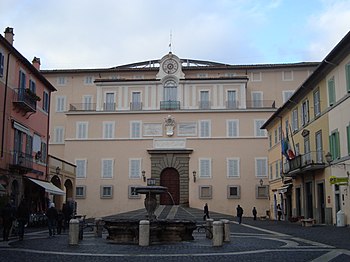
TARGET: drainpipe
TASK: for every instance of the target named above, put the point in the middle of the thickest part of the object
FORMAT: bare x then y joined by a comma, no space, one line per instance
4,109
48,138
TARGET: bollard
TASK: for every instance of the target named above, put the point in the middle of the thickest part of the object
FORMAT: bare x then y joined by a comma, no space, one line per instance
73,232
98,227
209,225
227,232
144,233
217,233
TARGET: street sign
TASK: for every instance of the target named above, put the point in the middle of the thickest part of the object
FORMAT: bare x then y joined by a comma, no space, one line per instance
338,180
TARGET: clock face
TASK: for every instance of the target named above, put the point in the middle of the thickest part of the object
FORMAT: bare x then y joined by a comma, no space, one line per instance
170,66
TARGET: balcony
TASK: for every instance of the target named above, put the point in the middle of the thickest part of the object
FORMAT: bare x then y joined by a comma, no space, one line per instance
136,106
265,104
21,161
169,105
109,107
82,107
311,161
204,104
25,100
232,104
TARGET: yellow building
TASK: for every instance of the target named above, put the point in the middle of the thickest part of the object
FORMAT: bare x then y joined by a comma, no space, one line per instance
314,121
193,126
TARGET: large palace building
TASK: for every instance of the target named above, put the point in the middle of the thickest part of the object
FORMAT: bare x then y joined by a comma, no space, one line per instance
192,126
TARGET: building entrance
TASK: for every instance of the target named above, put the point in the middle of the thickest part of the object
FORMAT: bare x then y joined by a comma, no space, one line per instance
170,179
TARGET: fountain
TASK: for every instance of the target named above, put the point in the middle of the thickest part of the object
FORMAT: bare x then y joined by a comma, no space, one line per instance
126,231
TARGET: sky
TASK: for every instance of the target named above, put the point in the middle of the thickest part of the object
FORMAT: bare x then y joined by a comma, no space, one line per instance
78,34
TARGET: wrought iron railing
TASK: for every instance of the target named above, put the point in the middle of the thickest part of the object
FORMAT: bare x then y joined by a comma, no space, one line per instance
25,100
232,104
135,106
169,105
260,104
204,105
312,159
21,160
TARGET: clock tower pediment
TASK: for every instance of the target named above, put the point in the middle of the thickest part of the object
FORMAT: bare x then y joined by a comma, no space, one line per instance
170,65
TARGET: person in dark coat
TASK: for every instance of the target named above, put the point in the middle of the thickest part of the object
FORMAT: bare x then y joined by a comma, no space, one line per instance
60,222
239,213
67,215
8,214
254,213
52,216
22,217
279,212
206,212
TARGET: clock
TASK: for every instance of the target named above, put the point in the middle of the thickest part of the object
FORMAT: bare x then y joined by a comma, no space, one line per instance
170,66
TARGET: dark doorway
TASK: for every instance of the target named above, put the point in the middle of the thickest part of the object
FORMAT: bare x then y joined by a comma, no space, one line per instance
309,200
170,178
321,201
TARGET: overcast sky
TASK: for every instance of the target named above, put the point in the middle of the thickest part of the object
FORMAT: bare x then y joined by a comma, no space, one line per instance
106,33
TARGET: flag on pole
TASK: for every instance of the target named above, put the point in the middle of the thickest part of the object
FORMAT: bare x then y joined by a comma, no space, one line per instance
286,149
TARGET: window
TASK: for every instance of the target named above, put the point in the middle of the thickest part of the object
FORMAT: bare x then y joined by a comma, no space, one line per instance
187,129
81,168
61,81
286,95
135,168
276,136
106,191
347,76
89,80
276,170
132,193
317,104
136,103
233,192
110,104
22,80
2,62
43,150
256,76
107,168
295,120
205,192
29,144
271,173
60,103
331,91
108,129
204,128
305,112
82,130
262,191
232,102
270,140
257,99
319,147
59,135
46,101
202,75
204,168
287,75
135,129
261,167
80,191
348,137
334,144
307,153
232,128
87,103
32,86
279,133
257,125
233,167
204,102
170,91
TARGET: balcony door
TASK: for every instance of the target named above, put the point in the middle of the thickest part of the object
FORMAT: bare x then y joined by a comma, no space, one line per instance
170,91
110,102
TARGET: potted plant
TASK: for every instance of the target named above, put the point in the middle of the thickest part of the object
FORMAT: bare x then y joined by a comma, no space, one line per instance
31,94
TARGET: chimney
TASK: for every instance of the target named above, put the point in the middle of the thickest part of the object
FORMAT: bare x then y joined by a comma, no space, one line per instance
9,35
36,63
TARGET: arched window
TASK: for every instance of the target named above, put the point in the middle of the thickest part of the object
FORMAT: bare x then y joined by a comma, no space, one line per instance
170,91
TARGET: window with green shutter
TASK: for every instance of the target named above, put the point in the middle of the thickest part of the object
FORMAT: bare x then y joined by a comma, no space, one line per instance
334,145
331,91
347,75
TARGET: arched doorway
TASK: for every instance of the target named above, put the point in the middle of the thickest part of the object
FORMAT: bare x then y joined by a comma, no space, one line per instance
69,190
170,178
57,199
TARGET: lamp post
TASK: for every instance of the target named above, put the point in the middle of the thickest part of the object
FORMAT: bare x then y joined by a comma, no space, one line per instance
261,182
194,176
144,175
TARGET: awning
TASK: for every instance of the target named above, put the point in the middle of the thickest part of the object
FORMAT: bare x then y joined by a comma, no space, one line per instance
284,189
49,187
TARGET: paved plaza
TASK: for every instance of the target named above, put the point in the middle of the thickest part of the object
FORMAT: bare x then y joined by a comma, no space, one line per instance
260,240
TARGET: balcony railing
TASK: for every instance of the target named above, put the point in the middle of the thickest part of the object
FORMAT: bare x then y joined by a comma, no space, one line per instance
232,104
21,160
204,105
109,106
169,105
136,106
313,160
82,107
24,100
260,104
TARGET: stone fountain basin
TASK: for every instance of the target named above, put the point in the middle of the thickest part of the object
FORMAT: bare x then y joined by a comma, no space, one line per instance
151,189
126,231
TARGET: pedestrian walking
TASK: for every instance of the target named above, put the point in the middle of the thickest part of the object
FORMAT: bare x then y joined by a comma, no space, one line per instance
52,216
239,213
206,212
22,217
8,215
279,212
254,213
60,222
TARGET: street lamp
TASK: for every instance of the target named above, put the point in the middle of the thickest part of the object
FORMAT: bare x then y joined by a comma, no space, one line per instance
194,176
144,175
261,182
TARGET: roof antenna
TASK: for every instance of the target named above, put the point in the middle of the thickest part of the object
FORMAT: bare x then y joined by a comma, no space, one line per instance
170,41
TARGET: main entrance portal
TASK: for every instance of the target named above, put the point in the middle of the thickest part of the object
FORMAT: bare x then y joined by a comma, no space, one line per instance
170,178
